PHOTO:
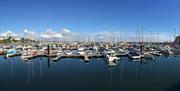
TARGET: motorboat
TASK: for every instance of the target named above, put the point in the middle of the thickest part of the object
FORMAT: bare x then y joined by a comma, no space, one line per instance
81,51
1,51
110,56
147,55
28,55
134,55
68,52
11,52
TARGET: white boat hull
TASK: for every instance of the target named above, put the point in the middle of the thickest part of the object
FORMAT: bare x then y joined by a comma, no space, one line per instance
26,57
111,59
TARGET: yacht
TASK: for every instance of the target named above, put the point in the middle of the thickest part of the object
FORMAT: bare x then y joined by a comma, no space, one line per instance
121,52
111,64
147,55
68,52
1,51
81,51
58,51
10,52
110,56
165,50
156,53
28,55
134,55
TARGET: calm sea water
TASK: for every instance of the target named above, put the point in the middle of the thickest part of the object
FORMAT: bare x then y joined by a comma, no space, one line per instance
72,74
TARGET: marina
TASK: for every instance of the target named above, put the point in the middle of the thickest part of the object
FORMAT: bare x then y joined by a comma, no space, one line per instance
90,66
69,74
113,52
89,45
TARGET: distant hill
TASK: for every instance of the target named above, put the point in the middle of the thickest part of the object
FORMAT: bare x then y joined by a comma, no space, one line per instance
15,40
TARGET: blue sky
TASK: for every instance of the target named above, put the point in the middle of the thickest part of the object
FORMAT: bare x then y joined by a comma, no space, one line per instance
89,15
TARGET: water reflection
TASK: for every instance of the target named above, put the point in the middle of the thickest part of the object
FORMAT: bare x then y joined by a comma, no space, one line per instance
86,61
175,87
111,64
66,74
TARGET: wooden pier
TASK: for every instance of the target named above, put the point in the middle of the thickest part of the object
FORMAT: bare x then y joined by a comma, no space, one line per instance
85,57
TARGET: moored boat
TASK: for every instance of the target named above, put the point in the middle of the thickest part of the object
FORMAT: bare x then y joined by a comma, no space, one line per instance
134,55
28,55
1,51
110,55
11,53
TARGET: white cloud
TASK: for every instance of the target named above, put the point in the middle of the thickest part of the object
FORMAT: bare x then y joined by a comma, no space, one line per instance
99,36
66,32
51,34
8,34
67,35
27,32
